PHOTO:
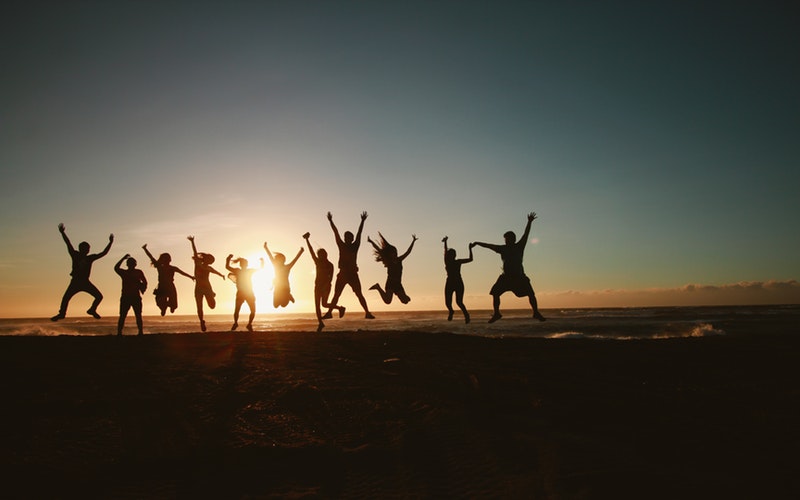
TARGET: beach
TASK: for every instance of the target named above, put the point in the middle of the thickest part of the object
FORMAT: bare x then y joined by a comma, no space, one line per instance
387,414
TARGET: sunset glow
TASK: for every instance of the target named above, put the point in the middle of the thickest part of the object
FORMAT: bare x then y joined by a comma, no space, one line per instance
249,122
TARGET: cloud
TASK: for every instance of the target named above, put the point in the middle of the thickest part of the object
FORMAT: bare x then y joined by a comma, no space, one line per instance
741,293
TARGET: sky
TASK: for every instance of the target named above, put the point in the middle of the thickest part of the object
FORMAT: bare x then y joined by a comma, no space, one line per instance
656,141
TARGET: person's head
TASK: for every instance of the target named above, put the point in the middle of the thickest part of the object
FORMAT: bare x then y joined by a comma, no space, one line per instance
348,237
322,254
450,255
242,262
510,237
131,263
83,247
207,258
280,258
386,252
164,258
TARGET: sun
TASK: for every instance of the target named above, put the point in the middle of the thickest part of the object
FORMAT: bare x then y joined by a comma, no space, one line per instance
262,280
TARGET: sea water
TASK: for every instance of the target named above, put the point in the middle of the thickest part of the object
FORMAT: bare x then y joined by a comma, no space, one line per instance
593,323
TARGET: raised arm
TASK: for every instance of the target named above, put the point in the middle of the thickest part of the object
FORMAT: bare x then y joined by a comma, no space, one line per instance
444,240
194,248
271,257
374,245
118,265
292,263
310,248
524,239
468,259
212,270
107,248
152,259
63,230
413,239
228,263
335,230
360,227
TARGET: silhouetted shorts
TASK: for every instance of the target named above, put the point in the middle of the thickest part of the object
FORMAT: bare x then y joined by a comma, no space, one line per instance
520,285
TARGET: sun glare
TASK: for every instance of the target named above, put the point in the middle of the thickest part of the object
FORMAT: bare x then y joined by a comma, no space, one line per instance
262,280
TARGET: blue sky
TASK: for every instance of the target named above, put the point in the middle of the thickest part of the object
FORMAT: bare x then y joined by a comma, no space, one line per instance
656,141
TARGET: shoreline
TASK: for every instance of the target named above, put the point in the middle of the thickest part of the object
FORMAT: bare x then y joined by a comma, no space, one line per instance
399,414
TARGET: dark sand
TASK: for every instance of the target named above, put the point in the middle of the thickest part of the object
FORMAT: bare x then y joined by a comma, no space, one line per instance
399,415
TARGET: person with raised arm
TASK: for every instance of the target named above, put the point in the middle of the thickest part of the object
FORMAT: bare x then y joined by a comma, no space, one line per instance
386,253
202,284
134,285
322,281
454,285
165,292
513,278
348,266
243,277
281,290
81,269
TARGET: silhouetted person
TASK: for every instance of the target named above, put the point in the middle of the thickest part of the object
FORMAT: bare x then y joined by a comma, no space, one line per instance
166,293
281,290
513,278
387,254
454,284
322,281
134,285
81,269
243,277
348,266
202,284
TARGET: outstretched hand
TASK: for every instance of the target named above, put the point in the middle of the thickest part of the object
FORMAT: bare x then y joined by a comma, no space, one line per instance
111,238
364,215
531,216
144,246
61,227
472,245
190,238
306,236
414,237
330,216
444,240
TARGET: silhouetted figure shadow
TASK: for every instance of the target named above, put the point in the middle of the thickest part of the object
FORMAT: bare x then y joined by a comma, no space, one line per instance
454,285
165,292
322,282
281,290
387,254
513,278
243,277
134,285
348,266
81,269
202,284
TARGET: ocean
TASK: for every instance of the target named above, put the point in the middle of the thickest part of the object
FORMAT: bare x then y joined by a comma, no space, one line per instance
567,324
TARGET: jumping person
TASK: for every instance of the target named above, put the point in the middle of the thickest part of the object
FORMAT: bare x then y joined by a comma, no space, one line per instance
322,281
454,284
281,293
513,278
202,284
81,269
134,285
243,277
387,254
165,292
348,266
